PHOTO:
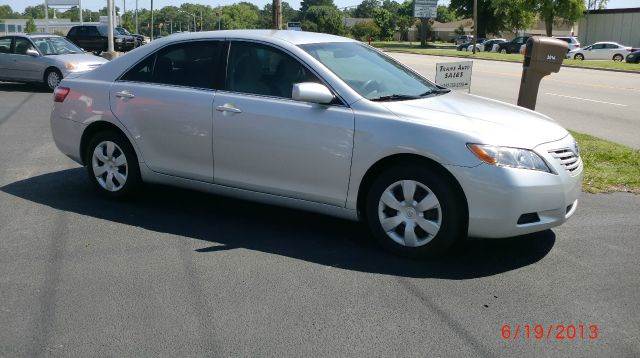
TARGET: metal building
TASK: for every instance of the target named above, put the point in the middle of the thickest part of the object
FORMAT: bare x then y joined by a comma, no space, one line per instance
617,25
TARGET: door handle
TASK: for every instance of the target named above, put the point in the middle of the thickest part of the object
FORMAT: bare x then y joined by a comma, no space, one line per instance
227,107
125,94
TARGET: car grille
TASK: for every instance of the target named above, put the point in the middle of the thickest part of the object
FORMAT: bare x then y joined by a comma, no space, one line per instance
569,160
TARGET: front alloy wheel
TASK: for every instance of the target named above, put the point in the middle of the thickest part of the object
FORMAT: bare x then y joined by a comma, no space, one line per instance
53,79
409,213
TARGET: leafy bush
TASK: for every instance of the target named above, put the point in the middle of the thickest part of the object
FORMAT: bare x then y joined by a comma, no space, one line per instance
363,30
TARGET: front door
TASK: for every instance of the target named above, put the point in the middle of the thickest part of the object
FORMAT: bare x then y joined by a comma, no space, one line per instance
25,67
264,141
5,58
166,102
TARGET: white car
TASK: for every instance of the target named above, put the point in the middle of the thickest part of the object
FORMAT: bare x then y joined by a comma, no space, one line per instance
601,51
322,123
572,42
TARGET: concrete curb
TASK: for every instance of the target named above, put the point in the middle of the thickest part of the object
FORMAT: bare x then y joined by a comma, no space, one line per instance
493,59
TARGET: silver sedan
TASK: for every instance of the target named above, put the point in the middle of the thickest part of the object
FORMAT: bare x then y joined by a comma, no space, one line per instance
322,123
42,59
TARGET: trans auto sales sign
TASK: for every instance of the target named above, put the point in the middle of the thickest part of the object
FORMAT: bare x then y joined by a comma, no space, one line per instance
454,75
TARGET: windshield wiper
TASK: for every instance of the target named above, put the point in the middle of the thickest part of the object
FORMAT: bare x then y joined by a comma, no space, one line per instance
393,97
436,91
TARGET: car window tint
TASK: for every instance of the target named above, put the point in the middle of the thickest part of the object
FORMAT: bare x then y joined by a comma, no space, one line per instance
72,32
264,70
142,72
22,45
191,64
5,44
597,47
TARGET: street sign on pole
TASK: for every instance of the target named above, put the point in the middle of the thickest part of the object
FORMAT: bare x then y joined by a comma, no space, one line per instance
425,8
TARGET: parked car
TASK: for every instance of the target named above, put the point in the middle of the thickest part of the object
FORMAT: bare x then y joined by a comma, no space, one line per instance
601,51
466,46
94,38
572,41
43,59
514,45
459,40
319,122
486,45
139,39
633,57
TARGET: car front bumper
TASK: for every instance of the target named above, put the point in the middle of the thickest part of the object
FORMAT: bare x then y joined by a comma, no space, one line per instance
499,197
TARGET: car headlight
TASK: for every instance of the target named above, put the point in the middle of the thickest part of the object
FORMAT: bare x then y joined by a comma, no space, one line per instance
70,66
119,40
509,157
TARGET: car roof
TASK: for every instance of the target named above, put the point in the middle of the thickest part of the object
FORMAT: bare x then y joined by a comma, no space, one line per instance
606,42
32,35
293,37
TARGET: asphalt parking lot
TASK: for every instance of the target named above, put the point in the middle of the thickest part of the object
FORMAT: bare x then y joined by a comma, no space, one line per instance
180,273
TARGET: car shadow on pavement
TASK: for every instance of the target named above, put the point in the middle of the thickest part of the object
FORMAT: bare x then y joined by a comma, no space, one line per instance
23,87
228,223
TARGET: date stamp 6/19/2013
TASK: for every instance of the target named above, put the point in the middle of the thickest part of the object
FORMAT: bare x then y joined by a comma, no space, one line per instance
547,332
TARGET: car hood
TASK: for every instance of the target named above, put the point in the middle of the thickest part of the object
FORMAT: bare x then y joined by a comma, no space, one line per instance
484,120
80,58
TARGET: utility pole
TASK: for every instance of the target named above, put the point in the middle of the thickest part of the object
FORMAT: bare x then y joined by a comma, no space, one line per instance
277,14
110,48
201,22
137,32
475,25
80,6
151,20
124,12
46,16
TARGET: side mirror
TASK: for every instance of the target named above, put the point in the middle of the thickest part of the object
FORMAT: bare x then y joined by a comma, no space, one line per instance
31,52
311,92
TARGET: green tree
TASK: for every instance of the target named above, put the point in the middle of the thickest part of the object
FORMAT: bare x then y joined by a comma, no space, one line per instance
386,21
516,14
550,10
240,16
6,12
288,14
364,30
31,26
305,5
488,22
36,12
366,8
597,4
326,19
445,14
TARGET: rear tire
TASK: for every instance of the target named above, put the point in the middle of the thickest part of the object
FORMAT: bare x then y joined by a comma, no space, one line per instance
429,215
112,164
504,50
618,57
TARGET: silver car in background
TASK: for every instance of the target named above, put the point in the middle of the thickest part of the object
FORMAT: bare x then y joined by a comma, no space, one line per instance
43,59
322,123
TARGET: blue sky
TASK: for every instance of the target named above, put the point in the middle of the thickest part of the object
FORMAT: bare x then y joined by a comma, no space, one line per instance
19,5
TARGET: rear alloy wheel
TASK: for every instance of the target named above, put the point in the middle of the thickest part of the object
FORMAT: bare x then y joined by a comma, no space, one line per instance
579,57
415,211
618,57
52,79
112,164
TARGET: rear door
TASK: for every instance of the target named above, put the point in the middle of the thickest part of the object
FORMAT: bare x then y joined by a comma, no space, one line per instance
166,102
597,52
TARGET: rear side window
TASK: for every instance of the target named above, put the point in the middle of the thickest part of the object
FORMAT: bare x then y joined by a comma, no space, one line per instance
5,44
72,32
194,64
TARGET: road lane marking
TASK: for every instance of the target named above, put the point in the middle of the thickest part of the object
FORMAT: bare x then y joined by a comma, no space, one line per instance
587,99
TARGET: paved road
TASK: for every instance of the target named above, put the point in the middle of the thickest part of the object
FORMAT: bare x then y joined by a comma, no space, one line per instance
179,273
602,103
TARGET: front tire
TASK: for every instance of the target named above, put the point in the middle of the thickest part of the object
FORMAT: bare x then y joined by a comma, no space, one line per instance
415,211
52,78
504,50
112,164
618,57
578,57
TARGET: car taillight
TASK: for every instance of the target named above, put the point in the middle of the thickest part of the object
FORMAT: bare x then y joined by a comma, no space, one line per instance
60,93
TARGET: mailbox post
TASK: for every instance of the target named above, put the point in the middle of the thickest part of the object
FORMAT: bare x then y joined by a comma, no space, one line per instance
543,55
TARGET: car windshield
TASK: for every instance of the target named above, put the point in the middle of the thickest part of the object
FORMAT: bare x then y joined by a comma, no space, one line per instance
55,46
371,74
121,31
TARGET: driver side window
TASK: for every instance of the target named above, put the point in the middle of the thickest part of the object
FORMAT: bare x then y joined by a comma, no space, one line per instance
258,69
22,45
